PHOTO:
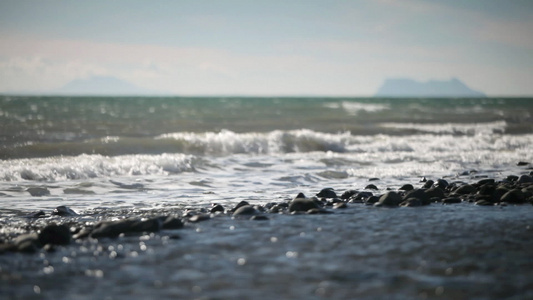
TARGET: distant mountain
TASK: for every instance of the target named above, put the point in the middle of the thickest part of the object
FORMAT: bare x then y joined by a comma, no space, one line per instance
403,87
101,85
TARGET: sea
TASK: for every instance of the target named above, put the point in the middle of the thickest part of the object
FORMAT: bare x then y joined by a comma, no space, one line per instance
109,158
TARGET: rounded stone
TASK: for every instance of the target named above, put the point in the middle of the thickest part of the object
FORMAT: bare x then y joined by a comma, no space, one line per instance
171,222
371,187
55,235
406,187
451,200
411,202
302,204
217,208
513,196
245,210
465,189
64,211
389,199
347,194
327,193
435,192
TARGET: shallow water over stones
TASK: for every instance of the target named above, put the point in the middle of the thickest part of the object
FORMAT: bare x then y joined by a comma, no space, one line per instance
459,251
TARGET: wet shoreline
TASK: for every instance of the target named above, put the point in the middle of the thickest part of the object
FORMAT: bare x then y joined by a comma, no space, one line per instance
455,251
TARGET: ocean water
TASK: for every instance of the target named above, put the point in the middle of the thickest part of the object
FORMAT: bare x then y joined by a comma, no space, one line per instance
109,158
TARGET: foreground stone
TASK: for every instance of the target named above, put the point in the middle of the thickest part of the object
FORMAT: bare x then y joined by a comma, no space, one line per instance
303,204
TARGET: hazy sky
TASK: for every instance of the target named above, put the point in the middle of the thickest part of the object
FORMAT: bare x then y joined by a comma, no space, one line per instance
267,47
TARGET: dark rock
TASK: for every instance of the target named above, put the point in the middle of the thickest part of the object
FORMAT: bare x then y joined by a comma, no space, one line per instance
389,199
423,179
373,179
484,203
522,163
485,181
525,179
451,200
149,225
284,204
302,204
199,218
115,228
371,200
111,229
55,235
406,187
339,205
465,189
171,222
269,205
435,192
441,183
360,197
38,191
499,192
514,196
347,194
428,184
419,194
327,193
277,208
217,208
242,203
371,187
411,202
512,178
36,214
63,211
245,210
487,189
337,200
259,218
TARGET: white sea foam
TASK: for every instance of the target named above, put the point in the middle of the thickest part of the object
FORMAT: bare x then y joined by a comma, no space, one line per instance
92,166
283,152
355,108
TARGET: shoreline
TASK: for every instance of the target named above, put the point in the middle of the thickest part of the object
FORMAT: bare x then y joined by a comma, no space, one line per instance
63,225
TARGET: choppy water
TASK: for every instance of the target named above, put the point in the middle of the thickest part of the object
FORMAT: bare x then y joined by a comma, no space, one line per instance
112,157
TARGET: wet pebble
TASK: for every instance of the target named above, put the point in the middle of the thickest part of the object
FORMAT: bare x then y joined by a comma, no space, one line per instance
406,187
171,222
451,200
199,218
327,193
389,199
55,235
63,211
371,187
465,189
217,208
302,204
245,210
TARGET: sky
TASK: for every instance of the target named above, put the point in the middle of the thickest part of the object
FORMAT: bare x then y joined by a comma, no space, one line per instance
267,48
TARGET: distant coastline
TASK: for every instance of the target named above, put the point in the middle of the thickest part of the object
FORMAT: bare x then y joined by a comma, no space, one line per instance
405,87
